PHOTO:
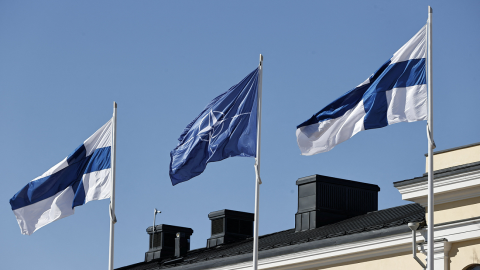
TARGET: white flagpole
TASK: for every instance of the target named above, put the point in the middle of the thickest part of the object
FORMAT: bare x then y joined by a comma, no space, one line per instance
113,218
431,144
258,181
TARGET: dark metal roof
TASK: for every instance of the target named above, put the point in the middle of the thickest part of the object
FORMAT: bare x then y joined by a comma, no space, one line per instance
372,225
441,173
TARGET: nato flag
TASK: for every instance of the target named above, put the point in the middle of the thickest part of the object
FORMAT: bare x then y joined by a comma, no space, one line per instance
227,127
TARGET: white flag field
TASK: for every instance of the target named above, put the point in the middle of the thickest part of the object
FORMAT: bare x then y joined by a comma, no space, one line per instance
84,175
396,92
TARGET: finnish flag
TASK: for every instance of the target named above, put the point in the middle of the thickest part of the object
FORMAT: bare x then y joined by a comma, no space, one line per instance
85,175
396,92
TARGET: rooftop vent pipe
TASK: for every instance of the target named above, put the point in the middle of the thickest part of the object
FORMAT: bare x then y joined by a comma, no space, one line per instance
182,244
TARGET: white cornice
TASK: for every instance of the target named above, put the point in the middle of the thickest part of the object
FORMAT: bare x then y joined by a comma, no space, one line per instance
446,189
333,255
458,231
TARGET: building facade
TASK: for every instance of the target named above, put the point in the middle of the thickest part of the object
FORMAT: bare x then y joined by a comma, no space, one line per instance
338,226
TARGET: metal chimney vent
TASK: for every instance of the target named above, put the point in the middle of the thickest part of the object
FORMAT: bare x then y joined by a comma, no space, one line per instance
239,226
164,241
157,240
217,226
324,200
230,226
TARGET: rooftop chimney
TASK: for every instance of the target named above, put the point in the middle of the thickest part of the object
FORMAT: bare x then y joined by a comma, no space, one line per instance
164,241
324,200
230,226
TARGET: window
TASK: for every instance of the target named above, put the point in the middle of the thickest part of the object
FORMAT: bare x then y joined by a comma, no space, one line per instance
472,267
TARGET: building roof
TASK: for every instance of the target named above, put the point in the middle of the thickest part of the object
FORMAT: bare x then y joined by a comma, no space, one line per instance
371,225
441,173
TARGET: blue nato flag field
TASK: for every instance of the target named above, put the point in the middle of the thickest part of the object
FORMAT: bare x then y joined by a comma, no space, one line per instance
227,127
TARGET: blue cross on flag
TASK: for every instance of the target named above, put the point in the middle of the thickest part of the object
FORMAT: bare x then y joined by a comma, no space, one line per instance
396,92
227,127
85,175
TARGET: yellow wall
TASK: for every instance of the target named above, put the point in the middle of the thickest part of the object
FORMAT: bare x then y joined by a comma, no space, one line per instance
464,253
455,158
399,261
456,210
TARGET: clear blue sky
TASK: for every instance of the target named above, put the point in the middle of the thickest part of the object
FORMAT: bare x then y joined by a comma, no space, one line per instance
63,63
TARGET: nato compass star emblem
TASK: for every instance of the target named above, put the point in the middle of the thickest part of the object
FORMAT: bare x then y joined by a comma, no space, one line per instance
211,126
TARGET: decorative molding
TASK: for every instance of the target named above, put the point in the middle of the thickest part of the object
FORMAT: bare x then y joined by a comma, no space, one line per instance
451,232
461,230
446,189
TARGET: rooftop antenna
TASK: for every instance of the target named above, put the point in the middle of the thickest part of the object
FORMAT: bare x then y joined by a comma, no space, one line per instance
155,212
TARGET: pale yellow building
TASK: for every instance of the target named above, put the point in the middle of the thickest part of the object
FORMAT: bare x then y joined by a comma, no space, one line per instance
457,205
338,227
